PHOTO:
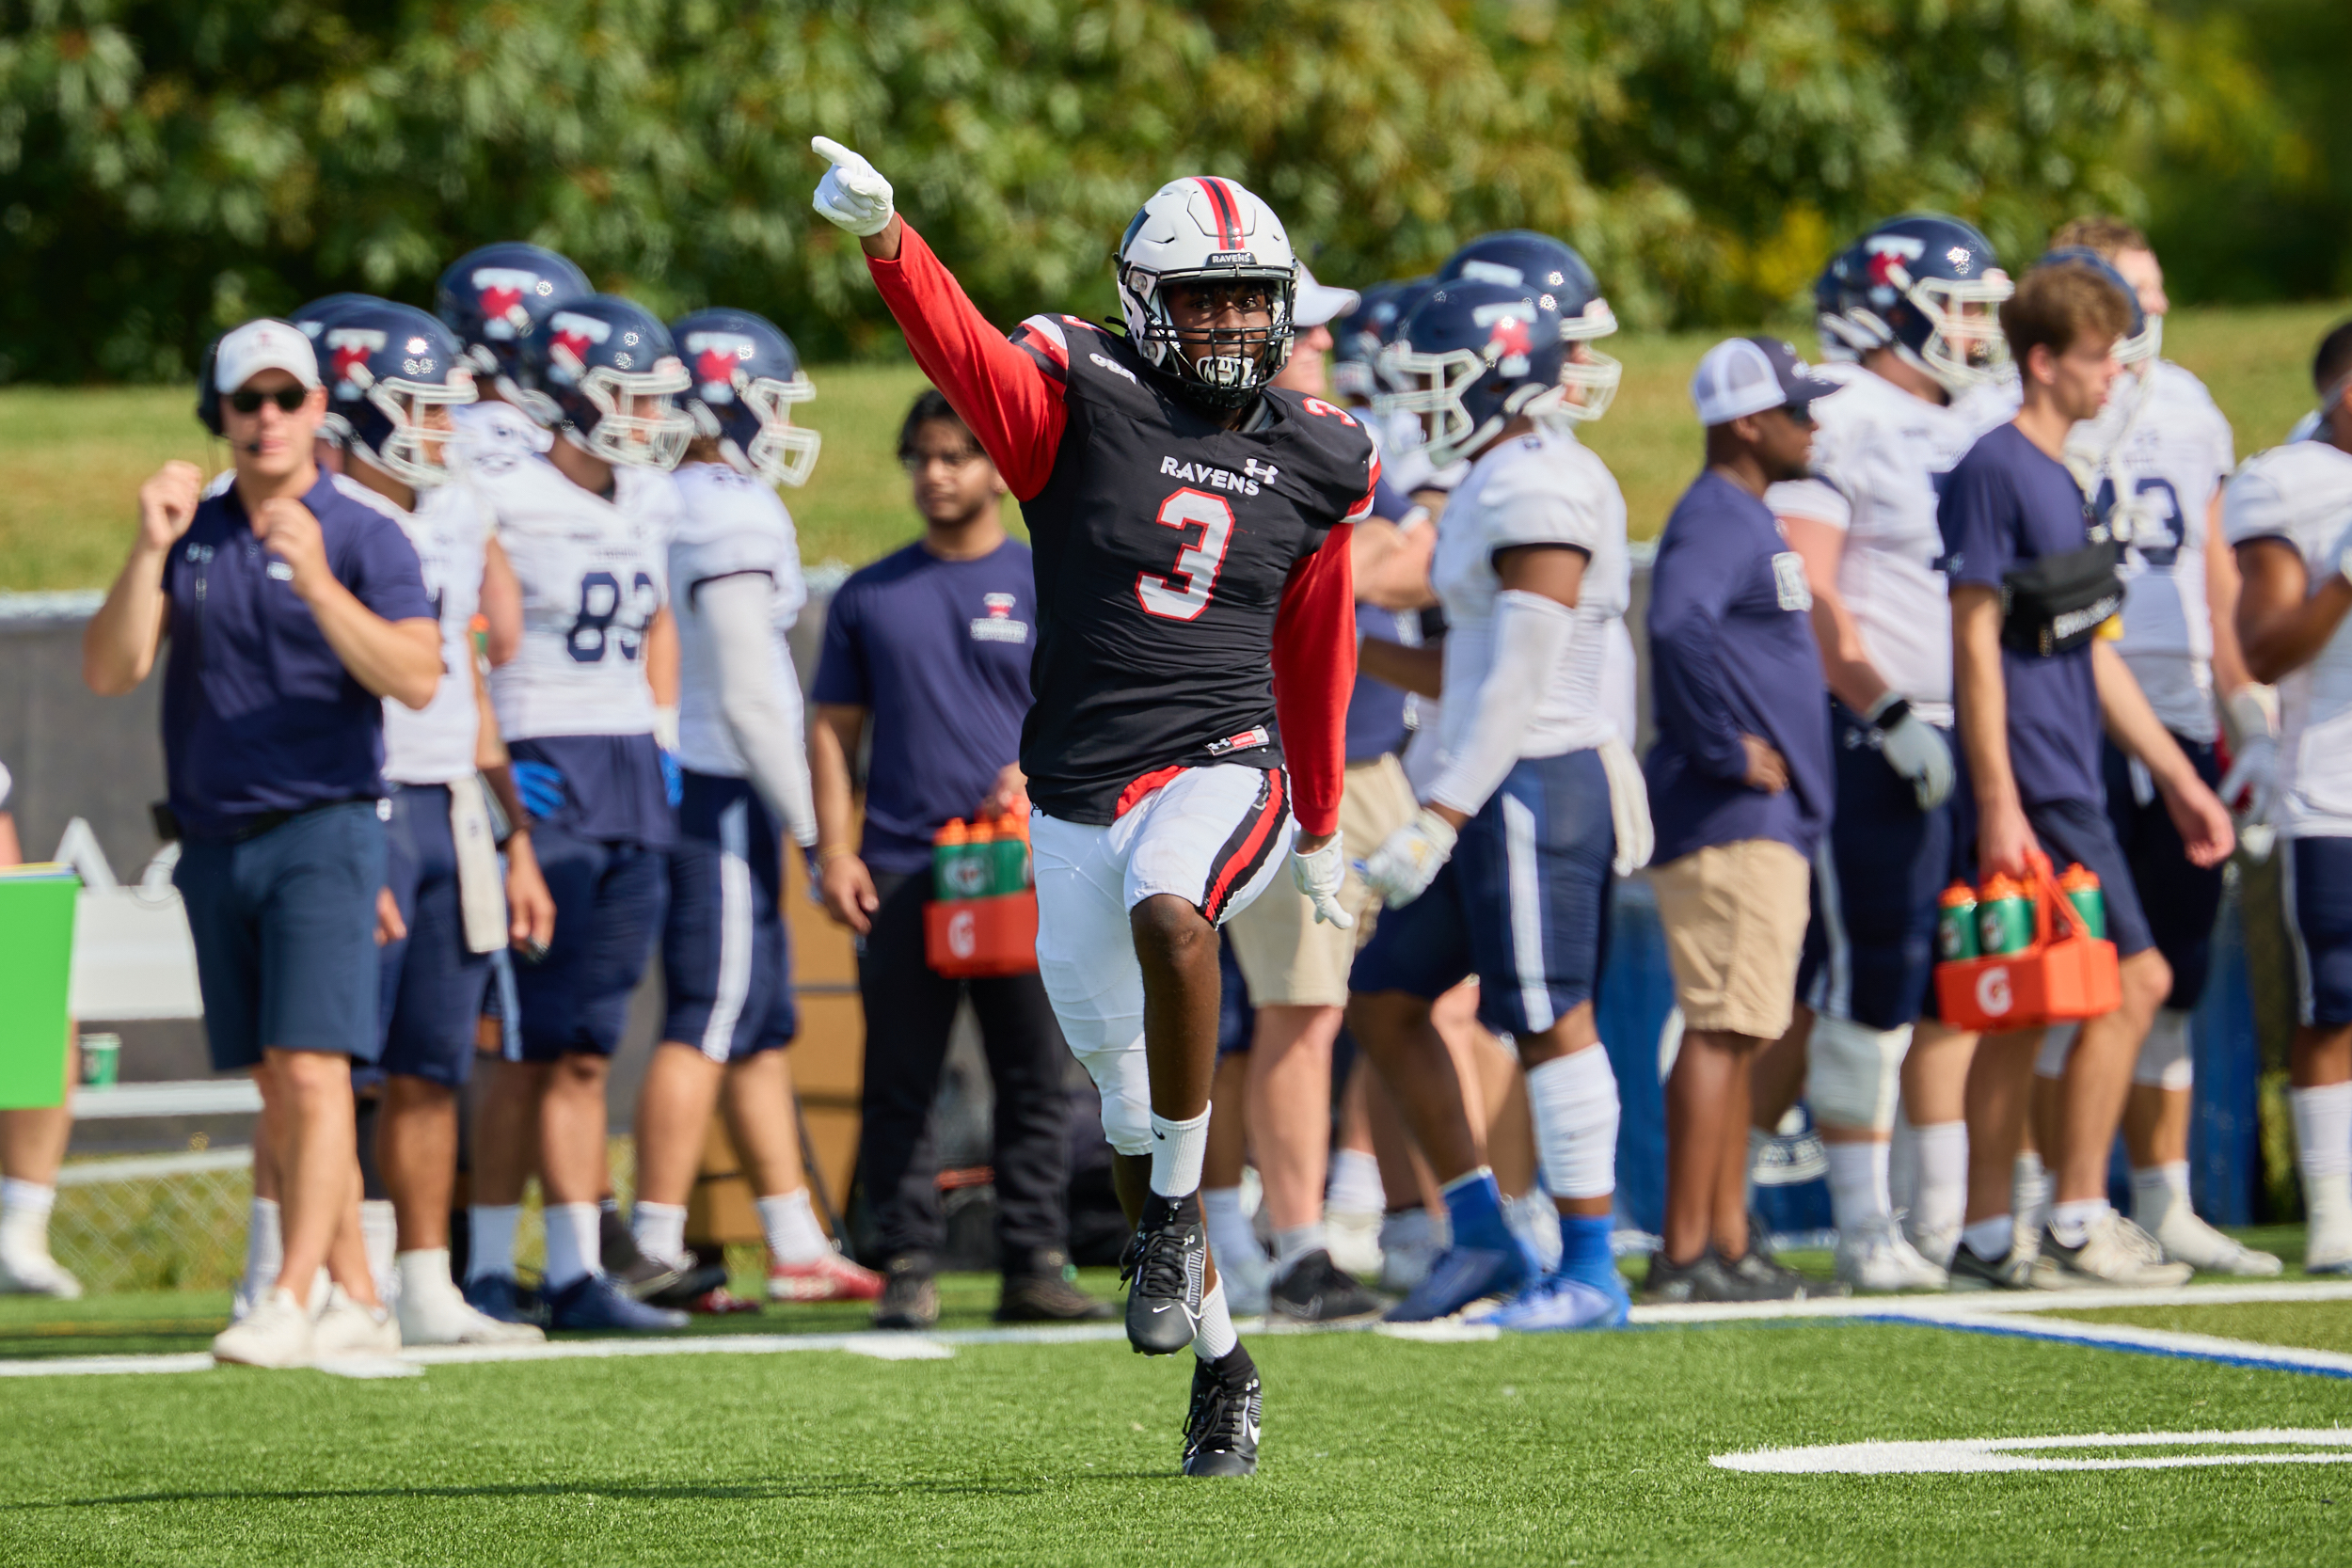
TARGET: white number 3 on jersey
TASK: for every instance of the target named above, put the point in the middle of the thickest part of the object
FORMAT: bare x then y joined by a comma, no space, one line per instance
1184,593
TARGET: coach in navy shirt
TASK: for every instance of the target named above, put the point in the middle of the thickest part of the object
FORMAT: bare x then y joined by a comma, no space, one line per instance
293,608
931,646
2036,682
1739,794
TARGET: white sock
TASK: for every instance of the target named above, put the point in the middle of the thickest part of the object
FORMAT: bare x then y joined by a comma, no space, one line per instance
1990,1239
24,1217
2029,1188
2154,1190
1177,1150
379,1232
1940,1198
2071,1221
1857,1185
424,1274
264,1249
1903,1162
1355,1187
490,1239
1296,1243
791,1224
660,1231
2323,1130
1215,1335
1573,1099
1232,1241
573,1247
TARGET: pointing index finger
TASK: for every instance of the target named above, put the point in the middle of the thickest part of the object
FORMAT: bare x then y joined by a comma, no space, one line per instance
832,152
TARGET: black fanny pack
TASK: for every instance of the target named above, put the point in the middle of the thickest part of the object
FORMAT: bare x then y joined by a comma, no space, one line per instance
2058,603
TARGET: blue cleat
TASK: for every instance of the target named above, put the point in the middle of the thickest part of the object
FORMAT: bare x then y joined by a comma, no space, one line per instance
1556,1303
1463,1275
1587,1259
597,1301
498,1295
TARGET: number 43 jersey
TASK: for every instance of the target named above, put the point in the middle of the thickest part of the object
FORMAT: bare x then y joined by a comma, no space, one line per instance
594,574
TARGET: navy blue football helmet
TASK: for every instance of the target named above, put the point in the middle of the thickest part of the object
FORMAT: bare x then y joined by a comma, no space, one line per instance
2144,340
1925,285
1554,274
392,374
603,374
1471,357
492,298
1358,338
746,375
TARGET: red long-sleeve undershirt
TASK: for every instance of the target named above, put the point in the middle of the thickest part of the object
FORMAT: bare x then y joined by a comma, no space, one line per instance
1015,410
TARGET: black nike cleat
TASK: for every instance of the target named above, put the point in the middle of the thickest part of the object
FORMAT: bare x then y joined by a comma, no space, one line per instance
1168,1259
1221,1430
1317,1291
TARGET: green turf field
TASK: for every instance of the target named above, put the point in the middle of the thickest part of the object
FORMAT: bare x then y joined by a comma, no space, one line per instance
75,457
1588,1449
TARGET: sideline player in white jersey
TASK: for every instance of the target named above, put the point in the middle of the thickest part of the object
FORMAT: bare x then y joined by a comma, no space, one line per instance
1909,306
735,576
1506,870
586,531
394,378
2156,456
2289,517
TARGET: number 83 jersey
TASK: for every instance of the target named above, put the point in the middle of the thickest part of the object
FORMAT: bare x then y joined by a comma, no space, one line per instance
594,574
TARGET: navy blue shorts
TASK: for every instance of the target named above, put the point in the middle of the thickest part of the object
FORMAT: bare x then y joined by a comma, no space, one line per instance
1236,1019
433,985
608,914
1523,903
2181,900
2076,831
1870,951
284,925
2319,921
726,958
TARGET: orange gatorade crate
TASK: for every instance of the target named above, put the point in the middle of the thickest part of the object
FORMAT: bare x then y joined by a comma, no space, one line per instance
967,939
2058,978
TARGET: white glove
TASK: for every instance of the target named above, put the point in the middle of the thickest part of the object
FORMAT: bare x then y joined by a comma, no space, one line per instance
2253,770
1628,807
1319,875
1913,748
852,195
1409,858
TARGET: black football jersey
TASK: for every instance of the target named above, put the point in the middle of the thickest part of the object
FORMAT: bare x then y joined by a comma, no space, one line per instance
1163,543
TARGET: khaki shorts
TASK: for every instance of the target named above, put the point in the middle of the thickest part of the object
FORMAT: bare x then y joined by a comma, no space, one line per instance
1735,917
1289,960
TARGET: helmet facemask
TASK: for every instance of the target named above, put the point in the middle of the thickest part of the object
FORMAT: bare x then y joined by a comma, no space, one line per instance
782,452
1429,387
1964,347
416,451
1234,364
1589,376
637,420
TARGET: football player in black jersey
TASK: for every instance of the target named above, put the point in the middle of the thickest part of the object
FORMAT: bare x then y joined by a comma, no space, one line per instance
1196,647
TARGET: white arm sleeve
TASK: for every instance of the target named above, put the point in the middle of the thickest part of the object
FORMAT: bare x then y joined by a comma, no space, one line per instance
766,721
1531,636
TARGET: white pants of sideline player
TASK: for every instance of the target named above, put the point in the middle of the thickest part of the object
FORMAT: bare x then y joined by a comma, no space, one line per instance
1216,837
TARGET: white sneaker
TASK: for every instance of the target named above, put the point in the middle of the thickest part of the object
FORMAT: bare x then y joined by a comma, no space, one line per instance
429,1319
1353,1242
1249,1281
2114,1252
2187,1239
2328,1245
1409,1243
37,1273
347,1329
1935,1242
276,1333
1875,1257
1536,1221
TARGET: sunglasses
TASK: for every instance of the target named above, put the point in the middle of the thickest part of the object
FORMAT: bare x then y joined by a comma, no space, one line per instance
287,398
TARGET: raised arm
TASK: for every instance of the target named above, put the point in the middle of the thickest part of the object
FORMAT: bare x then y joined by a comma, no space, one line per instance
119,644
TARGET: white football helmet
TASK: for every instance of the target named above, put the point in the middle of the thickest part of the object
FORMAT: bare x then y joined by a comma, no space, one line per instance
1203,228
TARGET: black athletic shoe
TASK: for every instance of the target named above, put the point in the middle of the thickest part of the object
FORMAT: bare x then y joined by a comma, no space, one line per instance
1169,1260
692,1284
1317,1291
1221,1430
1046,1294
1700,1279
910,1297
1755,1276
2008,1271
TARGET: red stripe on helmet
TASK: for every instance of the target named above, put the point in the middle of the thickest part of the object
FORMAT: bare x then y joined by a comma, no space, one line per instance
1228,213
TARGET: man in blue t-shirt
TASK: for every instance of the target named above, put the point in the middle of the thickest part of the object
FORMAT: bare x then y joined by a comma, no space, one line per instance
2036,680
1740,790
293,609
931,647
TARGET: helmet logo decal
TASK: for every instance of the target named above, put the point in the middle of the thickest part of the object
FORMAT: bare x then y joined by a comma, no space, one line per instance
574,333
501,290
1233,259
1887,253
715,369
351,346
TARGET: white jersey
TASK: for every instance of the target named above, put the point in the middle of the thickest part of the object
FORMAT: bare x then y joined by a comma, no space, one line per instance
2176,450
732,523
2302,494
1543,488
594,574
1878,454
487,427
435,745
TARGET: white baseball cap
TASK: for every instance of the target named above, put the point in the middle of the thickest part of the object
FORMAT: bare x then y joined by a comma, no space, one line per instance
1740,376
262,346
1319,304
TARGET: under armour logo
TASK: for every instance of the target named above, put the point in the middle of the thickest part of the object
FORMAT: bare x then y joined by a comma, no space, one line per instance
1261,471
